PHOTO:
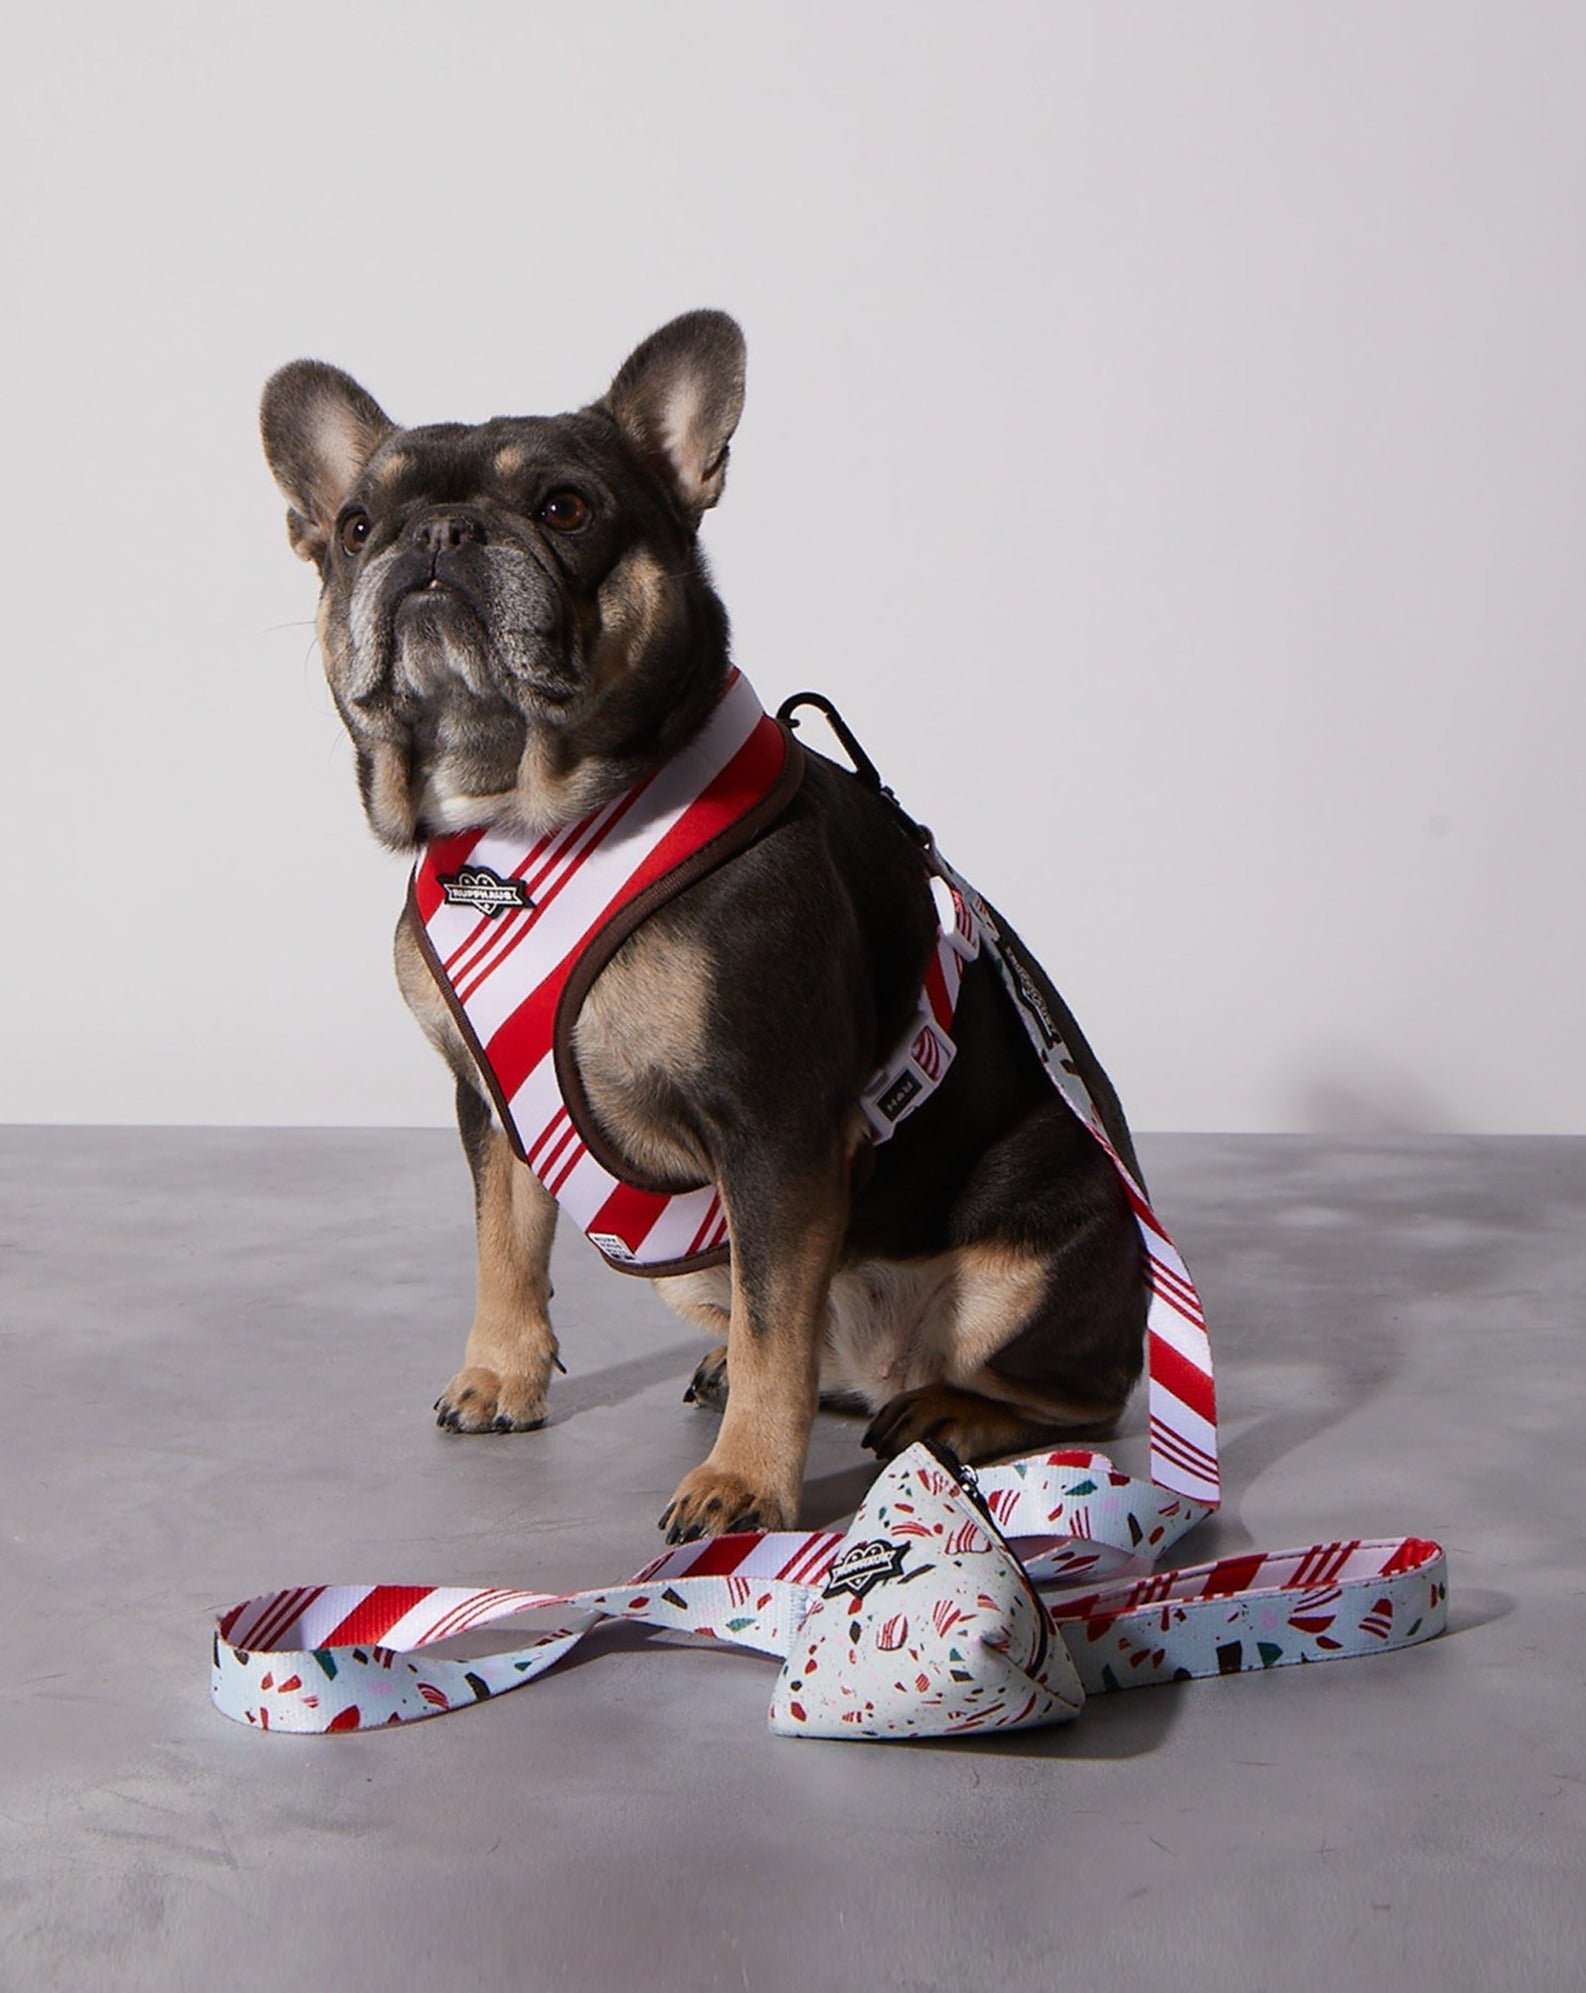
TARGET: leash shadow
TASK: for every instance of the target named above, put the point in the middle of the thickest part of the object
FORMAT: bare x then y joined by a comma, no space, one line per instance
1316,1261
1110,1730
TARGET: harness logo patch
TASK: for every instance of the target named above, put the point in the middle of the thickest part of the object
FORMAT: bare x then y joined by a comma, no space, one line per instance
485,891
863,1566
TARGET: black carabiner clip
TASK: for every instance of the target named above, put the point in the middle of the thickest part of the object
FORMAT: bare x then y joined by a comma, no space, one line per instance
864,767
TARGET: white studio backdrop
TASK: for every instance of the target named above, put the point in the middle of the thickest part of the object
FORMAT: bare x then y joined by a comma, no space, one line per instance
1164,440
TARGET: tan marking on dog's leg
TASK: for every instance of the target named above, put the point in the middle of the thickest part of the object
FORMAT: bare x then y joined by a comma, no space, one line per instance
511,1346
752,1476
999,1288
995,1290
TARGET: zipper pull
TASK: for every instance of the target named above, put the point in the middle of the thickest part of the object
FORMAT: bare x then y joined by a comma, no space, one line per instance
963,1474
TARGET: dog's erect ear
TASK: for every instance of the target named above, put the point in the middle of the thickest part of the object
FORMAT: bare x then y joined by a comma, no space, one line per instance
320,429
678,397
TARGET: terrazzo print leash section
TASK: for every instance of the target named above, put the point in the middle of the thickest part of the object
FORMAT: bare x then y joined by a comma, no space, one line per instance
923,1619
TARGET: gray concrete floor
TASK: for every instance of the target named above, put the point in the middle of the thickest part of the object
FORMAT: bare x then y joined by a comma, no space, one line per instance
217,1354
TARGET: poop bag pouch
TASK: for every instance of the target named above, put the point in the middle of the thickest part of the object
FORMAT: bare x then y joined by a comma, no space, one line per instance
927,1622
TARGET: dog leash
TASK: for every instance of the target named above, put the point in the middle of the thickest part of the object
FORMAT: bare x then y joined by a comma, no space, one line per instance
955,1603
1181,1393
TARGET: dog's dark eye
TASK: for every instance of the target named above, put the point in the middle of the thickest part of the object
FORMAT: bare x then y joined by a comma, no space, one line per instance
354,531
564,511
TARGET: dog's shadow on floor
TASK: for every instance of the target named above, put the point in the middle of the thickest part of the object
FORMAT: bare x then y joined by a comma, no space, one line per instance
594,1390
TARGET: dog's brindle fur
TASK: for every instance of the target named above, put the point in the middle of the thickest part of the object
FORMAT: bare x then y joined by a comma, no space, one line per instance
517,623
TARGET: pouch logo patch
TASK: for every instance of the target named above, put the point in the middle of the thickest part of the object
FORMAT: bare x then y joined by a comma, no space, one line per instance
863,1566
485,891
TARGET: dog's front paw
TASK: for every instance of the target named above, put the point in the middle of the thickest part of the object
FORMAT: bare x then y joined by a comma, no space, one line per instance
483,1401
712,1502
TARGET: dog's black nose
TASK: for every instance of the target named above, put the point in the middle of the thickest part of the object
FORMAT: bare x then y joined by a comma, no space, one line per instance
436,532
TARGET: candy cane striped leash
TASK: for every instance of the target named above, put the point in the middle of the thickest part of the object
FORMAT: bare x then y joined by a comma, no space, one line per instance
1181,1394
335,1658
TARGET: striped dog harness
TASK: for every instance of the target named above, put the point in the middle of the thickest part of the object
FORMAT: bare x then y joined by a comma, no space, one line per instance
515,931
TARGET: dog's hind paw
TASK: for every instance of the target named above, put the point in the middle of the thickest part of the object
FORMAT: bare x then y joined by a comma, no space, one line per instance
708,1386
976,1428
481,1401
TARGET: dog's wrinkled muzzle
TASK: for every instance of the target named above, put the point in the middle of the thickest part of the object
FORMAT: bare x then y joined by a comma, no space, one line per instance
927,1623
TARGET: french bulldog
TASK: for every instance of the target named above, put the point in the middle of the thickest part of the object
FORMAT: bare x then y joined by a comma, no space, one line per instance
518,624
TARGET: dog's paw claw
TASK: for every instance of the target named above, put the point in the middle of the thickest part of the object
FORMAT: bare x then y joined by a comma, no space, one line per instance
977,1429
708,1386
891,1430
